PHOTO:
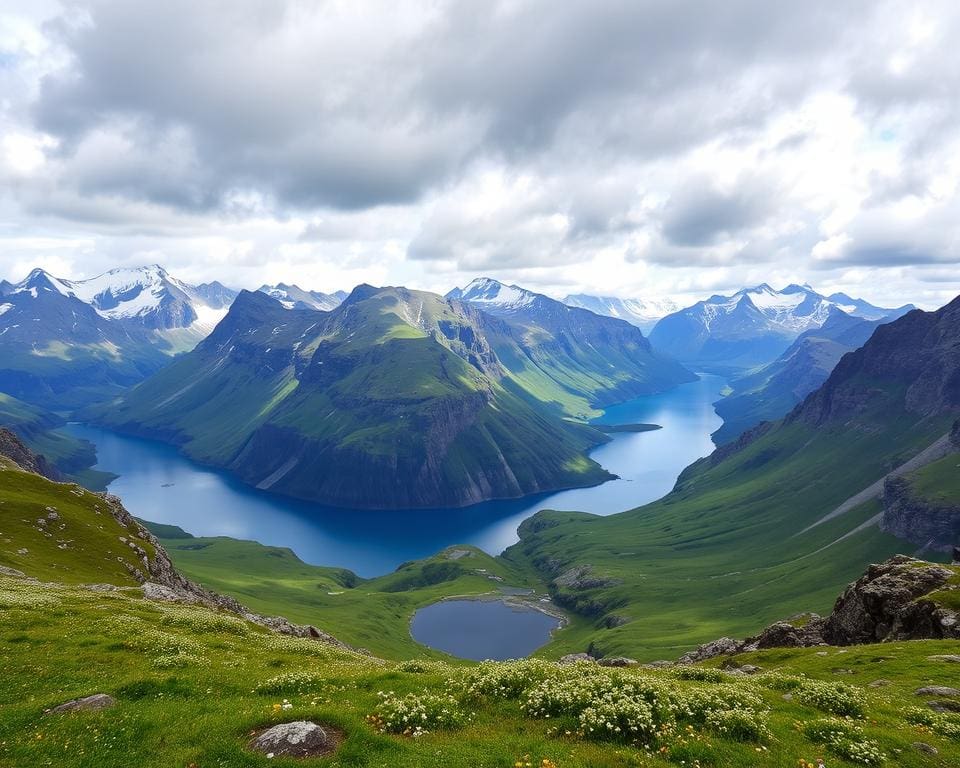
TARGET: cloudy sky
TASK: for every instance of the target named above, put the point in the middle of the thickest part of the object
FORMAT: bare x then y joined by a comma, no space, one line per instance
636,148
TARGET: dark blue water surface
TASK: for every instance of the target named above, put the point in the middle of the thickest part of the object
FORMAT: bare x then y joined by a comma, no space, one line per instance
156,483
482,629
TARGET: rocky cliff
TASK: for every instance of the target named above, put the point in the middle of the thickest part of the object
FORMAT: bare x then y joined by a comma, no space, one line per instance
900,599
14,449
934,525
911,364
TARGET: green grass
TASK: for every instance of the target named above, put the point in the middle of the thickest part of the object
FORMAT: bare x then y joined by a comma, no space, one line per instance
187,684
192,684
372,613
726,552
82,544
939,481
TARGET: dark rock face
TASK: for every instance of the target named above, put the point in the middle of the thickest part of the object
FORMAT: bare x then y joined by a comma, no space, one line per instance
914,363
13,448
885,604
908,516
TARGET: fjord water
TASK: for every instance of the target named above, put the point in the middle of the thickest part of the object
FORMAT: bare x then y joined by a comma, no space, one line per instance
156,483
482,629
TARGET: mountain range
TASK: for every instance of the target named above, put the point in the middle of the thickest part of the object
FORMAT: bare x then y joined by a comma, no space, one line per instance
398,398
295,297
753,326
643,313
769,393
775,522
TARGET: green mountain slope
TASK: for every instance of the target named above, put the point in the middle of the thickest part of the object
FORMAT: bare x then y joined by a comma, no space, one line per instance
38,429
193,685
394,399
759,530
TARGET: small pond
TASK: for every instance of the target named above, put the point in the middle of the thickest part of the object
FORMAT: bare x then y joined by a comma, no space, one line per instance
482,629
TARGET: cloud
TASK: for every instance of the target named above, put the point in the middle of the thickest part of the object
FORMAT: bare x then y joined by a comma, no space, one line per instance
670,144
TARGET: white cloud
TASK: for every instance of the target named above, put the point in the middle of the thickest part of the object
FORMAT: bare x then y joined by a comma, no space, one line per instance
663,147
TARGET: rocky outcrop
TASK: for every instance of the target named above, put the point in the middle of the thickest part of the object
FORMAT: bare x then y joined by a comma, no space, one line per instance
891,601
14,449
161,581
573,590
934,525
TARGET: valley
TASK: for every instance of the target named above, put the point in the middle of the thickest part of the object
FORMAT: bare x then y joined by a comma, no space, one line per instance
160,485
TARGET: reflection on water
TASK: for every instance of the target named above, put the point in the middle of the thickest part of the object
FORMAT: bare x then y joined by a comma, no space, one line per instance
482,629
158,484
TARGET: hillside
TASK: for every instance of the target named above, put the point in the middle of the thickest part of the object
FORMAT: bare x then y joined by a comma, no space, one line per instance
180,684
394,399
568,355
771,525
771,392
38,428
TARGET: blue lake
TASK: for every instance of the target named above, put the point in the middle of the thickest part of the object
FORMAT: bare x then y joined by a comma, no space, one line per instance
482,629
156,483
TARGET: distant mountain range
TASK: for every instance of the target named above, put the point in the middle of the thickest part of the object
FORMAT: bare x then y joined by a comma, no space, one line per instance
295,297
399,398
639,312
65,343
775,389
753,326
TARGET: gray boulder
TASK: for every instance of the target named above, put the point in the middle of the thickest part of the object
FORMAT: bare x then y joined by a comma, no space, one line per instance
87,704
297,739
573,658
937,690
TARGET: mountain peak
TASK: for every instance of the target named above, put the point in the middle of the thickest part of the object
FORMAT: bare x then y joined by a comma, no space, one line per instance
491,293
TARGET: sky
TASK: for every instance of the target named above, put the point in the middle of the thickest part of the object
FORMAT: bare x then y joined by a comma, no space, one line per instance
642,148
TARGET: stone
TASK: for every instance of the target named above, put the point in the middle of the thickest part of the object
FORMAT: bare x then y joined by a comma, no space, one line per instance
723,646
658,664
301,738
879,683
945,657
937,690
927,749
887,603
573,658
617,661
91,703
944,705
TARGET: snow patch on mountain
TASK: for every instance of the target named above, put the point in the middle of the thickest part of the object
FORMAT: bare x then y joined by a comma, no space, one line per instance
492,293
643,313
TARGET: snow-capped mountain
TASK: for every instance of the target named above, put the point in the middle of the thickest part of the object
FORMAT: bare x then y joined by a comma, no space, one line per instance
143,296
295,297
58,351
753,326
643,313
496,297
866,310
